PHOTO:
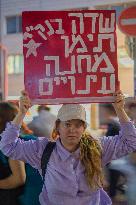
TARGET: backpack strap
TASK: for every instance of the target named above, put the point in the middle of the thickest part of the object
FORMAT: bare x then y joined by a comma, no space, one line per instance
46,156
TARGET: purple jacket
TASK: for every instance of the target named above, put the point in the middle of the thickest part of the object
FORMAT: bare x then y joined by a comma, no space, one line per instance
65,183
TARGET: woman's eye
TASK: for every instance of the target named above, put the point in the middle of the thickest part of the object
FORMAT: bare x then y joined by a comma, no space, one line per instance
67,125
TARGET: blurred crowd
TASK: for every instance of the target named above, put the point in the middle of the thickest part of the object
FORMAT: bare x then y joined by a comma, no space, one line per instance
120,175
20,184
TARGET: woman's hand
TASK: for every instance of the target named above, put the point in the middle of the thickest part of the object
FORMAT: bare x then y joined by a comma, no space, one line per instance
24,105
25,102
119,100
119,106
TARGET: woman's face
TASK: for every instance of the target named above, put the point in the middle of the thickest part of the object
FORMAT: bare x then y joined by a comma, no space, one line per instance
71,131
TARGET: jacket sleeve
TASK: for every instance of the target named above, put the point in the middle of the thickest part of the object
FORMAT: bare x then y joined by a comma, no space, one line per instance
120,145
15,148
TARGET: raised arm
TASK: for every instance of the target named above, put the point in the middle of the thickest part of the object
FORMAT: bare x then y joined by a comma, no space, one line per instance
120,145
119,107
17,149
24,105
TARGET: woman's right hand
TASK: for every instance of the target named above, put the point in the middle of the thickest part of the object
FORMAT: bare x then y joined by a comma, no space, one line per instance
25,103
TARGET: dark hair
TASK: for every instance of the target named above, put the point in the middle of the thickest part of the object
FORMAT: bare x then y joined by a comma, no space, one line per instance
43,107
109,107
131,105
7,113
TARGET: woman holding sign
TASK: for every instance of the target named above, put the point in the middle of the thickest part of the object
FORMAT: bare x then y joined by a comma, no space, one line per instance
74,172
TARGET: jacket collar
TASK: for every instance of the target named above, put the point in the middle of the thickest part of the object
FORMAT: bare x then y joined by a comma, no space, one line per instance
65,154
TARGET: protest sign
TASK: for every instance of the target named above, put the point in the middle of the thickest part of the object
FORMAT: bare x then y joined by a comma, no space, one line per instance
70,56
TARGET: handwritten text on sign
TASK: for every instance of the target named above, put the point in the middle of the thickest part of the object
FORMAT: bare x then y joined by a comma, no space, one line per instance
70,56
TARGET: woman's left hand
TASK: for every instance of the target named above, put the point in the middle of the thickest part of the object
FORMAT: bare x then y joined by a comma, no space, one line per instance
119,100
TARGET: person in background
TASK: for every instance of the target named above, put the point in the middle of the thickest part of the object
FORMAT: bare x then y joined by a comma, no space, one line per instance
115,178
120,171
12,172
109,122
74,172
24,130
43,123
130,171
33,183
131,110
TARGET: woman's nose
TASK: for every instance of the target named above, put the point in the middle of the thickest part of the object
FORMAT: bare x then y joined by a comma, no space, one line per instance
72,128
